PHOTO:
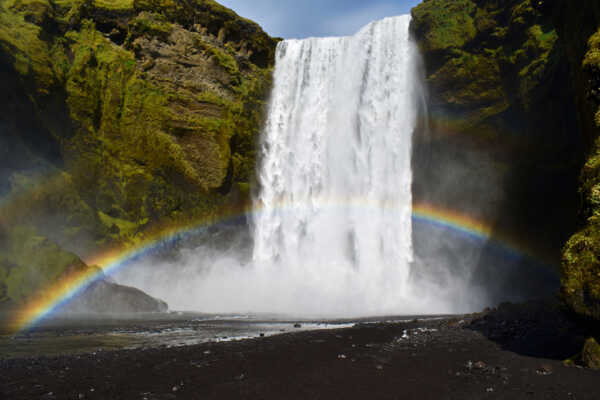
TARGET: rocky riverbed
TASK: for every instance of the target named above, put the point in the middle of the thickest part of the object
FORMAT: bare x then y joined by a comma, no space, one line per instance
514,352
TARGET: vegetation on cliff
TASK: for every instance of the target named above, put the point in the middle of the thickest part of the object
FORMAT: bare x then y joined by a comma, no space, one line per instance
501,120
581,255
525,76
123,114
486,63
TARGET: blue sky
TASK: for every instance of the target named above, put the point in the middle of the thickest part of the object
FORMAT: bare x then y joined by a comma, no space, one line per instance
304,18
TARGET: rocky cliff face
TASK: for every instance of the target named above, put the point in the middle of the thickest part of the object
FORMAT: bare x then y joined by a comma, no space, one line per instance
517,81
123,114
578,24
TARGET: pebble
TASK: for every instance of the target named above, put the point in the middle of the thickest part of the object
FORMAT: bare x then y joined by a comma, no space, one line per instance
544,370
480,365
240,377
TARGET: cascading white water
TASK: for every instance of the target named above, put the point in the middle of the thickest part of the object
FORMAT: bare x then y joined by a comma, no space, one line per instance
335,197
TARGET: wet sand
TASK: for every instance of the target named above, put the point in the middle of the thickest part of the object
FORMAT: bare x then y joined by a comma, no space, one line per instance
515,352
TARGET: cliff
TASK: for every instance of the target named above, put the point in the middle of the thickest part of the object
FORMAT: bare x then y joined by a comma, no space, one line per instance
502,143
518,81
120,115
578,24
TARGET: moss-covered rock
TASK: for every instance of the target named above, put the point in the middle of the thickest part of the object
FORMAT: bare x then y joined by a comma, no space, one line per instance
124,115
502,114
486,63
29,262
590,356
521,79
581,255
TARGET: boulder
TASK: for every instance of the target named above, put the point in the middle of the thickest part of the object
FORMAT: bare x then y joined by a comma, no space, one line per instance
104,297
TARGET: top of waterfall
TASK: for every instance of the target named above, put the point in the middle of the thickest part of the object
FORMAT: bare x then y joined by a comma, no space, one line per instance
406,17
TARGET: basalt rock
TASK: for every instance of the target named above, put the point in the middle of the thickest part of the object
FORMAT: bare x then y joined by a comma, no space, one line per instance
104,297
29,263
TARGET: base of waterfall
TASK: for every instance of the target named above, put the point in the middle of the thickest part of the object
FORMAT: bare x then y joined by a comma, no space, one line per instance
514,351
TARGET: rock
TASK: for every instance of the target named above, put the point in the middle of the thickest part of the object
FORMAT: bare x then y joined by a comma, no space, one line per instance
134,121
107,297
240,377
480,365
297,325
544,370
492,67
590,356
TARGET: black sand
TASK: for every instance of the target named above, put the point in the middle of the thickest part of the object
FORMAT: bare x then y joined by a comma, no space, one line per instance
512,353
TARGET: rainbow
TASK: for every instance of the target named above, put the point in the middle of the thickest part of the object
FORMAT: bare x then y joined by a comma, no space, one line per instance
53,298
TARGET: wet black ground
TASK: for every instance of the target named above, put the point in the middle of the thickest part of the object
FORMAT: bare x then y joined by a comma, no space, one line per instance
509,353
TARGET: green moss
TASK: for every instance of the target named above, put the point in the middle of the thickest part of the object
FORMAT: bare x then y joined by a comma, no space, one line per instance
226,61
470,79
117,229
34,262
141,146
523,14
114,4
219,21
30,55
592,57
150,24
535,56
581,255
487,64
590,355
445,24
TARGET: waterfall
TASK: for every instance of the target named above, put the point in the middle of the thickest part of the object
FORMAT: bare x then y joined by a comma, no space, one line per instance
334,230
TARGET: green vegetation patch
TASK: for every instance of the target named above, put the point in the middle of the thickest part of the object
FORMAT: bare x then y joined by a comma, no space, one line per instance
445,24
151,24
30,262
581,255
141,146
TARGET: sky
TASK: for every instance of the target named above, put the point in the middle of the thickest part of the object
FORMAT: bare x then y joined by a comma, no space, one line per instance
306,18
